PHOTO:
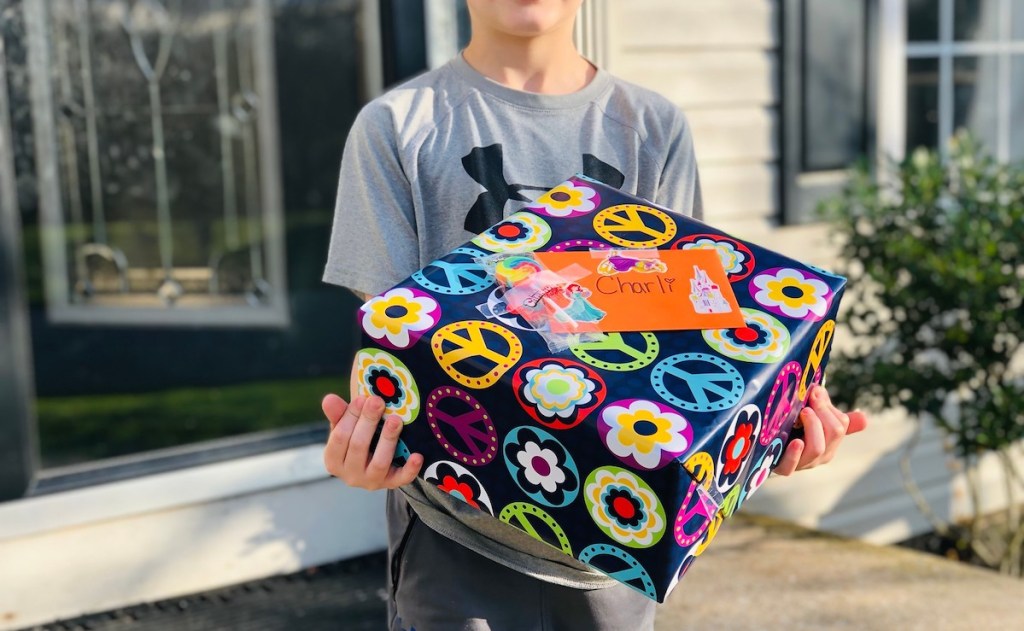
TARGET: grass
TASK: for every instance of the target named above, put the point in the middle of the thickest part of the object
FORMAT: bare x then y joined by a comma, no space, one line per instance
82,428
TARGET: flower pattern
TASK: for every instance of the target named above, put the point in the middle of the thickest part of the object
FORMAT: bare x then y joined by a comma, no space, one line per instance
688,437
399,317
521,231
558,393
738,446
384,375
791,293
644,434
568,199
763,339
624,507
759,475
541,466
736,258
457,481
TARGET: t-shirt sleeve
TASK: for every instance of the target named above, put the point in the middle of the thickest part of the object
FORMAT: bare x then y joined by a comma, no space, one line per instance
373,241
679,187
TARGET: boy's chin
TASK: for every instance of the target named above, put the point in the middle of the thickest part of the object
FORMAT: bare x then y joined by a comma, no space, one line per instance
525,18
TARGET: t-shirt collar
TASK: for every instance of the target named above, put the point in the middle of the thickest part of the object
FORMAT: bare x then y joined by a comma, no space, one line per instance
587,94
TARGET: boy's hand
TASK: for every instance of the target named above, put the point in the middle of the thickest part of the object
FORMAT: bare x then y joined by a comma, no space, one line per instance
824,428
347,454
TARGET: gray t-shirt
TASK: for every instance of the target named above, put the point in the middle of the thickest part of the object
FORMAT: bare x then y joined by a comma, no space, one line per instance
444,156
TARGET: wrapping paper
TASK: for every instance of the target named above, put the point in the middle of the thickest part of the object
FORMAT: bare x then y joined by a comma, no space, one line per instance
628,449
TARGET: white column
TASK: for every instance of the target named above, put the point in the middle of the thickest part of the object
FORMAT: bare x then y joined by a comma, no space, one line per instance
892,80
442,31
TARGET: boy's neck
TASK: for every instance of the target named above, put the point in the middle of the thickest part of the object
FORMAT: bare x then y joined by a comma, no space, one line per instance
547,64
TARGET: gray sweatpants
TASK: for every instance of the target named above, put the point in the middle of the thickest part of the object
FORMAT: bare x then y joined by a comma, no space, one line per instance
438,585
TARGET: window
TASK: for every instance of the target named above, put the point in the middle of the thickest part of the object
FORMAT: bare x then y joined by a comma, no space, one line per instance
160,200
965,69
828,64
117,371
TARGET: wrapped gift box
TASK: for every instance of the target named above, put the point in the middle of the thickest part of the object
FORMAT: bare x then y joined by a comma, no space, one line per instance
628,449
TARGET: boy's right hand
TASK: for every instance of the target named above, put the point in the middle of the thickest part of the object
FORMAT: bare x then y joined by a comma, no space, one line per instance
347,454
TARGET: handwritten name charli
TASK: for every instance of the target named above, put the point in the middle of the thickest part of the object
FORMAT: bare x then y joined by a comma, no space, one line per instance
615,285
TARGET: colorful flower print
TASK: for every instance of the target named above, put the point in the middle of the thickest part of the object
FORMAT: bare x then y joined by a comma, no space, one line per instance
558,393
400,316
762,469
568,199
541,466
762,339
738,446
384,375
457,481
644,434
791,293
737,259
522,231
624,507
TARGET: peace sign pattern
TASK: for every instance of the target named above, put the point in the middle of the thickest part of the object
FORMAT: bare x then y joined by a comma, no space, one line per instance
602,449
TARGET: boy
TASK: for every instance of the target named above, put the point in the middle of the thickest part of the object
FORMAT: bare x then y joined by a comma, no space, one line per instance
425,167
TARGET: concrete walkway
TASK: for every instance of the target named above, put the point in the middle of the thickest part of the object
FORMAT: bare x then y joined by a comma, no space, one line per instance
765,574
758,574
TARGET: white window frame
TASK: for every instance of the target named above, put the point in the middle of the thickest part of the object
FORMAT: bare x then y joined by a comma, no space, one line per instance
895,52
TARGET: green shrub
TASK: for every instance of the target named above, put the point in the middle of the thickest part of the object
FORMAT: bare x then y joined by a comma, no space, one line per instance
934,250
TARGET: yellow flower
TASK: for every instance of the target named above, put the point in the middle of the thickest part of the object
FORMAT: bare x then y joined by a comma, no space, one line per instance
651,436
399,317
395,314
562,197
800,294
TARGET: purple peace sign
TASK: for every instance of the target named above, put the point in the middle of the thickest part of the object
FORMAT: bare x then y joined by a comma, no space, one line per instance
462,426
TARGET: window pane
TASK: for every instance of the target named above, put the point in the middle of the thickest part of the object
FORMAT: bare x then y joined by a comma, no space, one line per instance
1017,10
974,98
923,20
128,385
833,84
976,20
922,103
1017,111
156,215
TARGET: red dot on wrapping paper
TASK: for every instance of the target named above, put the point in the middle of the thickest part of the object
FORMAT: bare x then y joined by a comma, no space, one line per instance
508,230
623,508
745,334
384,386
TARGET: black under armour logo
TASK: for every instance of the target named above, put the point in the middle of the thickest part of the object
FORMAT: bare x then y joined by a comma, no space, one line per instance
486,165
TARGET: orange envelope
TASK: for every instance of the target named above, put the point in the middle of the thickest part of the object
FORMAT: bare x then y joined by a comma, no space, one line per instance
649,290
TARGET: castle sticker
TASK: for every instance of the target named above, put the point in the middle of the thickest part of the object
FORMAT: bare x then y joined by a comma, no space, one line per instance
652,290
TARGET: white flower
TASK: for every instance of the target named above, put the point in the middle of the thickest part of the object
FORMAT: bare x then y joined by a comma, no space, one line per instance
540,466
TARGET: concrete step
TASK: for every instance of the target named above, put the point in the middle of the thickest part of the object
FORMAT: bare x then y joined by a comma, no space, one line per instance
760,573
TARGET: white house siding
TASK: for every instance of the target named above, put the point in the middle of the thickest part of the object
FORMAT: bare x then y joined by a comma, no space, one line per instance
719,61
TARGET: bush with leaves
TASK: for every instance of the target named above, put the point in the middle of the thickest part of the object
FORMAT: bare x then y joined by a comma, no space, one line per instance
934,252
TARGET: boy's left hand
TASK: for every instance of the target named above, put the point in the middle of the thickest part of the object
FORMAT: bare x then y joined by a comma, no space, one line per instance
824,427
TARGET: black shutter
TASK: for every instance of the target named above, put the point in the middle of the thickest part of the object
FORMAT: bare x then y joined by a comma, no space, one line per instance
828,54
17,444
403,39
